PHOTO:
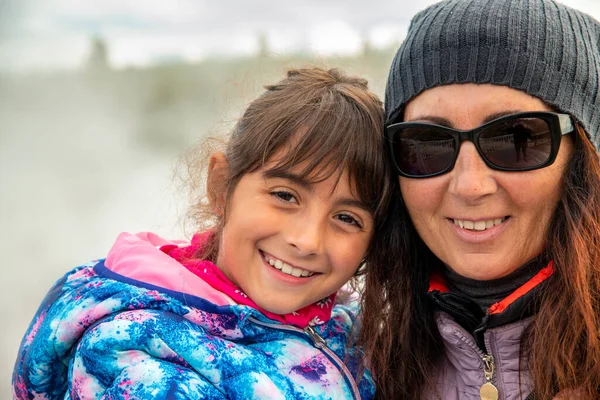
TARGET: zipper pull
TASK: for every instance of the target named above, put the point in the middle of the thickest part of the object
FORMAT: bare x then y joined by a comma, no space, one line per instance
321,344
488,391
317,340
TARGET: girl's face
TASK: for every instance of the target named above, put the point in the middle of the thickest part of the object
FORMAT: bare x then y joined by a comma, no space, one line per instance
526,201
288,243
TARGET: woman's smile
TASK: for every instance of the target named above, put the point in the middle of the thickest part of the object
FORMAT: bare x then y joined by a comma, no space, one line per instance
481,222
479,225
479,231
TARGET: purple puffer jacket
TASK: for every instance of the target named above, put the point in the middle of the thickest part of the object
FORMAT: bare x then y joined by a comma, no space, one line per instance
462,372
482,349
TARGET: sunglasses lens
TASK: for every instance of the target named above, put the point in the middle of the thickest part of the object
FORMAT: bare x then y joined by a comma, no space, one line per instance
517,144
420,151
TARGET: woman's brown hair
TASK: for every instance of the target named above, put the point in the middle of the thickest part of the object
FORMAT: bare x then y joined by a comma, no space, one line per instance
324,120
561,348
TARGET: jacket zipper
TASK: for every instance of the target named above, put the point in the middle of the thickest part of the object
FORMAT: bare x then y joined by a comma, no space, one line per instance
320,344
488,365
451,310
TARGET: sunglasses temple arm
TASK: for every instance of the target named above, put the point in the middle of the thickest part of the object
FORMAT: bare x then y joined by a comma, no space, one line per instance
566,124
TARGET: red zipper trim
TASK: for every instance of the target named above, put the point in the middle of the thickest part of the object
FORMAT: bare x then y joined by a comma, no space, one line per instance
541,276
437,282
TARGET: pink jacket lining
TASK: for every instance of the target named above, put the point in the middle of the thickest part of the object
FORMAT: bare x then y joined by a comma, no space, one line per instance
137,257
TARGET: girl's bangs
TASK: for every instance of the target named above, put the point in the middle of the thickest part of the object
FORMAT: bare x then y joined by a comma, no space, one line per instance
332,146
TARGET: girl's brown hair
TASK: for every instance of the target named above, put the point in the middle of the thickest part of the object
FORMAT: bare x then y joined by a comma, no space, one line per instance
561,348
323,119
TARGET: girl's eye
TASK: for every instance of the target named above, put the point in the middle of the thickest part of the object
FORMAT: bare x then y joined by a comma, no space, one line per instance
349,219
284,196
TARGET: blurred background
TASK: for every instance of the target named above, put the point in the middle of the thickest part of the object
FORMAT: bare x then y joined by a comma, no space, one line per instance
98,100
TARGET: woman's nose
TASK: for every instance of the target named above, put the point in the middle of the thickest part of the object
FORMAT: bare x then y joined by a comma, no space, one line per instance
471,178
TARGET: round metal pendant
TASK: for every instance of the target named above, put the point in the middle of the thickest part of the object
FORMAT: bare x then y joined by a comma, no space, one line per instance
488,392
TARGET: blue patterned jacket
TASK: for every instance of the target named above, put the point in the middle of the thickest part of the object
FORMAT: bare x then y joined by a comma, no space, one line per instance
139,333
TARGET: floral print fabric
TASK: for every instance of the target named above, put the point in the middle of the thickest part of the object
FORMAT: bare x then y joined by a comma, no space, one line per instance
98,334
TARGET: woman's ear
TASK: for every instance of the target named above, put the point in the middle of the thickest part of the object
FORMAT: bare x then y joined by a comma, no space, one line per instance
216,182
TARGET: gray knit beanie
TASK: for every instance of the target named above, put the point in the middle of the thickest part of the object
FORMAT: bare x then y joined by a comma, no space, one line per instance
538,46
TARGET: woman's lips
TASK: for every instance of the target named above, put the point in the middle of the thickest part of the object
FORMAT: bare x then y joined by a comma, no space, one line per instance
479,225
479,231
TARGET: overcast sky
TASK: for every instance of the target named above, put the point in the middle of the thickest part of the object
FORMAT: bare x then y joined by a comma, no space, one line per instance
56,33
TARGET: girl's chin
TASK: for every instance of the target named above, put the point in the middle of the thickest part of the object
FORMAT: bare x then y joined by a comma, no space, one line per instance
281,310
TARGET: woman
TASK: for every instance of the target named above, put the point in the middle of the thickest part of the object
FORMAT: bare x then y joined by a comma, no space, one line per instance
491,284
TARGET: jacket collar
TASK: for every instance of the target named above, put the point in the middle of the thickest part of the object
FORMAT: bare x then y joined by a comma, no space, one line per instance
518,305
313,314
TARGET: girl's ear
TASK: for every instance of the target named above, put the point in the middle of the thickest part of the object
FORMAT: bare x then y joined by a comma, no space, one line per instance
216,182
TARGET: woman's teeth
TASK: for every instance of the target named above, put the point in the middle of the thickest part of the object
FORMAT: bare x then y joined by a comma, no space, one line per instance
479,225
288,269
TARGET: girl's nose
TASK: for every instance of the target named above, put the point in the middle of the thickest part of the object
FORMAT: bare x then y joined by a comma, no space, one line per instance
305,236
471,178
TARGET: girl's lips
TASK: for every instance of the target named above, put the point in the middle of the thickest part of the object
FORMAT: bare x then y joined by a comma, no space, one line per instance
285,270
474,236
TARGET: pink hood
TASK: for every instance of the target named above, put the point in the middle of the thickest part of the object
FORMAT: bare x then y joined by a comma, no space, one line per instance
138,257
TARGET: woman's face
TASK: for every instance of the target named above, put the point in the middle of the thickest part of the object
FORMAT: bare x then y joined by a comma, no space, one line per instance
472,192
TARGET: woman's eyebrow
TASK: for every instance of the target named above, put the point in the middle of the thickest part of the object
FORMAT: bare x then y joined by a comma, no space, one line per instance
445,122
432,119
500,114
288,176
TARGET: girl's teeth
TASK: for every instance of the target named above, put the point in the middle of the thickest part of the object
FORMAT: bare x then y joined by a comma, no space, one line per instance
478,225
288,269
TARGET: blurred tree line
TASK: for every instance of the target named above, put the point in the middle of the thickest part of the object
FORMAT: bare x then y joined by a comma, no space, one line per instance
173,104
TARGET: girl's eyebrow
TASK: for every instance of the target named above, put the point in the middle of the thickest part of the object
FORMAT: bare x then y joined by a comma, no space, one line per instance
349,202
298,180
293,178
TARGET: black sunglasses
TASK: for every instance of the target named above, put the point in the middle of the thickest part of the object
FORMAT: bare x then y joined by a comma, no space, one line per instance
516,142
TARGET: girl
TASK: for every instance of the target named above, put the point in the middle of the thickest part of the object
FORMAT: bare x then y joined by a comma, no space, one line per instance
248,309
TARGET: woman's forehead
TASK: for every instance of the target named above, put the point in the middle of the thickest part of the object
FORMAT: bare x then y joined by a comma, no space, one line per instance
464,106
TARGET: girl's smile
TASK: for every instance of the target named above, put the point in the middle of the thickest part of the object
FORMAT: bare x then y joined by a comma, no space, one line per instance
286,268
288,242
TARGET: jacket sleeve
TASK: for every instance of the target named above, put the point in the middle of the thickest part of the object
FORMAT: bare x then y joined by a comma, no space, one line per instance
141,354
145,379
94,337
42,360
